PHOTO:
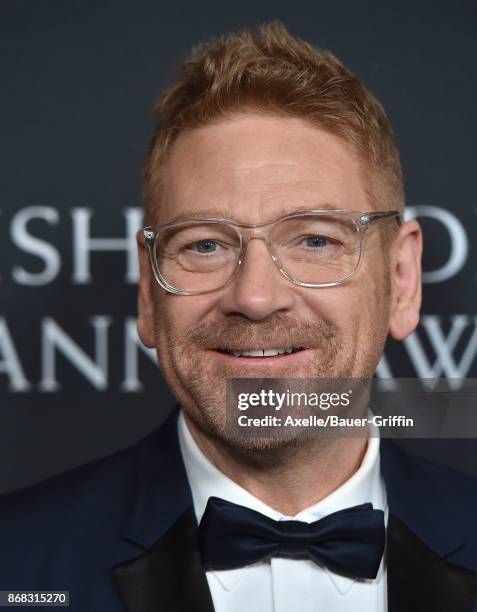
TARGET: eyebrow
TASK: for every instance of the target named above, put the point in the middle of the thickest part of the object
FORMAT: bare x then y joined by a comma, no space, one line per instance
216,213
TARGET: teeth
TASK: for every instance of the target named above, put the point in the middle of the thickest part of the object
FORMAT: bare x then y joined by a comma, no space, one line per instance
263,353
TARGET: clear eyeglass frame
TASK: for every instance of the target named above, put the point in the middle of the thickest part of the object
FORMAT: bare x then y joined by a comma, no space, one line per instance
362,220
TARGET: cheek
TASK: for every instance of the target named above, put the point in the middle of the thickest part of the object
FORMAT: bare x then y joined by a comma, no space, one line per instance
352,310
372,318
338,305
177,314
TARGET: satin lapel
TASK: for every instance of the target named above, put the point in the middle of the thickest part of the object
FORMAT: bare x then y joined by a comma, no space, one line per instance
168,577
158,564
419,579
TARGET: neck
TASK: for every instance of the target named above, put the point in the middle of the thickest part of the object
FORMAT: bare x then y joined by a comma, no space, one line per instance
294,478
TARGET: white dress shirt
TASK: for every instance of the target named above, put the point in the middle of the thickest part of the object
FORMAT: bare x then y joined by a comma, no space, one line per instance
288,585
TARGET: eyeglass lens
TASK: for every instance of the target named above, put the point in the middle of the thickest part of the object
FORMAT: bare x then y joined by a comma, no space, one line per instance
310,249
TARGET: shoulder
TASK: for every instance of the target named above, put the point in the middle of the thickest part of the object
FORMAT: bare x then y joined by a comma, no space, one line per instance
442,483
61,493
49,529
437,502
57,510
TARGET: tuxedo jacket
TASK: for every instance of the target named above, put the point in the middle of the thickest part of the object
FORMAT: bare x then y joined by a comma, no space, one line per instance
120,533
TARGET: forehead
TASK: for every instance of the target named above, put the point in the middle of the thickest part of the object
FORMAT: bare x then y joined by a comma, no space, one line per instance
254,168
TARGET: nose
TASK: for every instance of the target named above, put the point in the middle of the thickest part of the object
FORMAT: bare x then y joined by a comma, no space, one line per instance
258,289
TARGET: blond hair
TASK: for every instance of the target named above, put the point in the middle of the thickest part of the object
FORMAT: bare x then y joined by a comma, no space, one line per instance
272,72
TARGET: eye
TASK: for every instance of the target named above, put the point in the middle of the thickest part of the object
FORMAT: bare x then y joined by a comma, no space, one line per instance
204,246
316,241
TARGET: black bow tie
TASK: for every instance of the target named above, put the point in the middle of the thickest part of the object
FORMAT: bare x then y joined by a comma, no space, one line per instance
349,542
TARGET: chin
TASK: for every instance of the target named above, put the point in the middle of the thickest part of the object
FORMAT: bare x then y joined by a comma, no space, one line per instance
249,446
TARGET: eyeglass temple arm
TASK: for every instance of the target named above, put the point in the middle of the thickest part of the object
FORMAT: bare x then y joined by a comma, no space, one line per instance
372,217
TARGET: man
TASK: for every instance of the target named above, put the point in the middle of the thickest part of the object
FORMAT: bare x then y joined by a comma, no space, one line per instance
274,248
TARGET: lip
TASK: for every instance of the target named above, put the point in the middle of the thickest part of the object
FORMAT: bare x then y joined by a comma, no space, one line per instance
262,363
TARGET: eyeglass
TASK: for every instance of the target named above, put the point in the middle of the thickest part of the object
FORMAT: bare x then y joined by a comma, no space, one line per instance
314,248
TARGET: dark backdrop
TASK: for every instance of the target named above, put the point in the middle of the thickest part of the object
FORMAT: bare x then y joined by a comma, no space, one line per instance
78,81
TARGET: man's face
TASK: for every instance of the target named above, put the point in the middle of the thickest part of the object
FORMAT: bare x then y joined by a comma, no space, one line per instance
253,169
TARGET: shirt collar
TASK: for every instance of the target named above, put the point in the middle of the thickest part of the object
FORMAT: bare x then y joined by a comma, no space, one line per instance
205,480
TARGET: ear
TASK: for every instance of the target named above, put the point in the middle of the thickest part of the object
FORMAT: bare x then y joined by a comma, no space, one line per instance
145,304
406,280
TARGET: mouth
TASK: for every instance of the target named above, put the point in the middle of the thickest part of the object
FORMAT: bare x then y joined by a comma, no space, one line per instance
280,352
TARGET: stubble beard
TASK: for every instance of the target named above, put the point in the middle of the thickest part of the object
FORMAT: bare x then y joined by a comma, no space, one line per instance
201,389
